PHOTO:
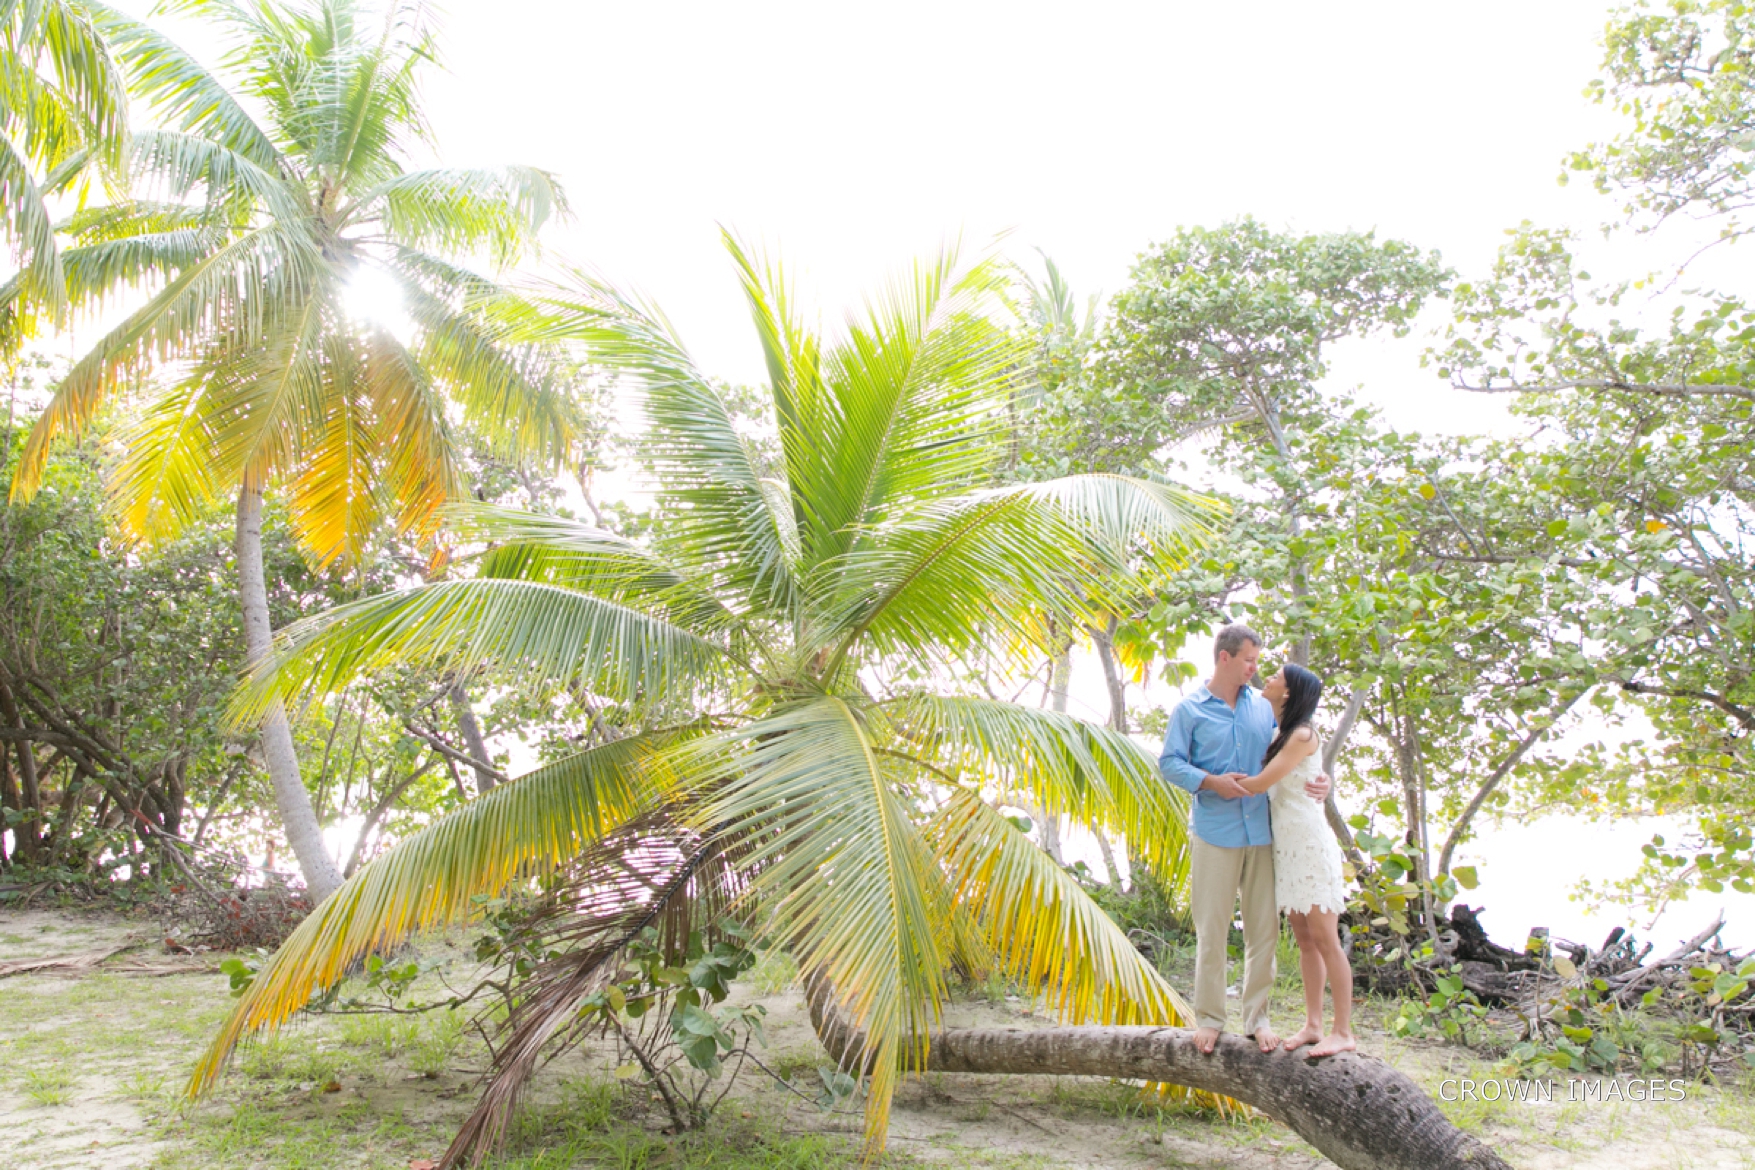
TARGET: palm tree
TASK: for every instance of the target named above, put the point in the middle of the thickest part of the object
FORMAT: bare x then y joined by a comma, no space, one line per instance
794,565
63,118
249,233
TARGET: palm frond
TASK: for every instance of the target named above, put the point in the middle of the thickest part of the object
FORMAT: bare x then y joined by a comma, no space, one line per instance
411,433
649,872
499,211
1043,926
26,221
954,572
184,93
1046,930
517,395
535,823
168,476
87,75
180,165
337,496
555,550
853,888
123,218
98,271
803,407
530,630
240,291
735,522
917,386
1069,767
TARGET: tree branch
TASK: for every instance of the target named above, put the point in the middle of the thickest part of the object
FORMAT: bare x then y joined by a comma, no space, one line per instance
1493,779
1661,390
1740,714
446,750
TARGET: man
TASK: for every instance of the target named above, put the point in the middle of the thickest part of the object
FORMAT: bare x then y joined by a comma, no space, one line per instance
1217,737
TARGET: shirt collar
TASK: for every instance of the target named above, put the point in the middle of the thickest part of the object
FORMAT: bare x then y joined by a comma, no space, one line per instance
1243,695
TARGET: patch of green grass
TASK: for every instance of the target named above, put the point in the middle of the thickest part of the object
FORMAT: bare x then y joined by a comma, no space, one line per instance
284,1057
388,1036
1732,1107
1117,1099
773,973
597,1123
795,1062
143,1087
47,1087
1471,1113
435,1049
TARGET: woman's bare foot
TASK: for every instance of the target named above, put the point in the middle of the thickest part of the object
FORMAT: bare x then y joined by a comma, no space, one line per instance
1331,1045
1206,1039
1266,1040
1305,1035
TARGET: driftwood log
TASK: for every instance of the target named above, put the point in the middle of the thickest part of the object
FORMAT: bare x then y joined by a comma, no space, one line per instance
1361,1113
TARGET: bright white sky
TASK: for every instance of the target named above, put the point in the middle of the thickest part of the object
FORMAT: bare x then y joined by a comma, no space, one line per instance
853,138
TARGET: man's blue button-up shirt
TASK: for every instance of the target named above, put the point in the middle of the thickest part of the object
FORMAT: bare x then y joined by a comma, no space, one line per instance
1207,736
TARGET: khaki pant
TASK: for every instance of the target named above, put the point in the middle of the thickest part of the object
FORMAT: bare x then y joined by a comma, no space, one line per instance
1219,875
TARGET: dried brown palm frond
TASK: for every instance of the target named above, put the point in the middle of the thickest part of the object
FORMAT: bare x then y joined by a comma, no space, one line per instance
652,871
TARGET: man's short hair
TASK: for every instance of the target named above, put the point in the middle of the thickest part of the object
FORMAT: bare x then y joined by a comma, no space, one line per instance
1231,639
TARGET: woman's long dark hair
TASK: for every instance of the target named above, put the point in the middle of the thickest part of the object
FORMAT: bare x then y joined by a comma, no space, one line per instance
1303,693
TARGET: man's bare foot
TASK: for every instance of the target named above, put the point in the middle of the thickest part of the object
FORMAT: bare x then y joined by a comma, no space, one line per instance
1206,1039
1303,1036
1331,1045
1266,1040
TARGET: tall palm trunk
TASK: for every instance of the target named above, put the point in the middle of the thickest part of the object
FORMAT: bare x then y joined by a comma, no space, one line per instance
297,816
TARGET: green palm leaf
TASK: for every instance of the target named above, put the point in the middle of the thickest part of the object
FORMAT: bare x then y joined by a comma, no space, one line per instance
853,887
916,388
516,395
1043,926
180,165
247,284
534,823
26,221
556,550
1093,774
181,89
532,630
499,211
958,571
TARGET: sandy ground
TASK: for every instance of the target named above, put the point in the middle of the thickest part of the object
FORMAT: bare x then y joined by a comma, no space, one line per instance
92,1065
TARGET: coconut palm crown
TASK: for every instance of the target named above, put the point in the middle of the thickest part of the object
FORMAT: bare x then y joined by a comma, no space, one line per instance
265,196
851,819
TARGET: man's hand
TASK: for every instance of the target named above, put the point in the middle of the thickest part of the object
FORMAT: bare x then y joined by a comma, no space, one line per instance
1317,789
1228,785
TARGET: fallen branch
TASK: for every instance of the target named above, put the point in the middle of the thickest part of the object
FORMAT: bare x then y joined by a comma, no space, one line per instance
1361,1113
71,963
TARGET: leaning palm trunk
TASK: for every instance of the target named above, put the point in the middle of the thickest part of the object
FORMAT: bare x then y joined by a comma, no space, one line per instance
291,798
1361,1113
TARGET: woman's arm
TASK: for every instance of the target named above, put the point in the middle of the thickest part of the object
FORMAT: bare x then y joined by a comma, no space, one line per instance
1297,749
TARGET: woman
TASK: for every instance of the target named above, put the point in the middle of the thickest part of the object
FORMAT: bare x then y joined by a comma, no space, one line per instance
1307,861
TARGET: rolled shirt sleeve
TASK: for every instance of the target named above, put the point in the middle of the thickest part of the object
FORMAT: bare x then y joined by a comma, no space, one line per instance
1174,761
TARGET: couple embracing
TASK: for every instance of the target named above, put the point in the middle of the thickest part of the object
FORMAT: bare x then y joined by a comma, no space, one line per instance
1254,765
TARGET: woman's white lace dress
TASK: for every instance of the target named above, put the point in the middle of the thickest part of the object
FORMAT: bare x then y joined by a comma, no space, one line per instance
1307,858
